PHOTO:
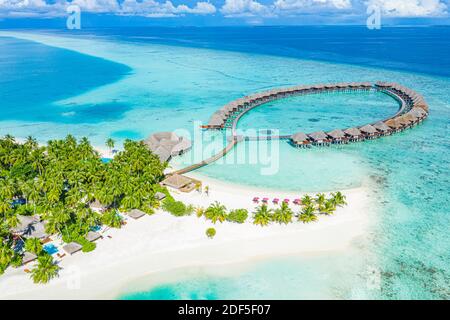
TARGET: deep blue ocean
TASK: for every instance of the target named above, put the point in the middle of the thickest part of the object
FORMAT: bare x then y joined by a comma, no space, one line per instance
166,78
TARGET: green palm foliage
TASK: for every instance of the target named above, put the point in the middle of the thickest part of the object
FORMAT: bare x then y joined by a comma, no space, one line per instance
283,214
33,245
112,219
307,215
306,200
262,215
338,199
216,212
320,200
45,270
328,208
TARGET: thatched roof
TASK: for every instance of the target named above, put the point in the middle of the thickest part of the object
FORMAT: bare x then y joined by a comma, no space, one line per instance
25,222
136,214
176,181
368,129
162,153
318,136
183,146
167,144
336,134
96,205
381,126
72,247
299,137
159,195
353,132
404,120
30,227
28,257
92,236
394,123
417,112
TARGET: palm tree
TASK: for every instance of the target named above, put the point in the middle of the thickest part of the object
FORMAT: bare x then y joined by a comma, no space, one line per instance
306,200
328,208
262,215
46,269
207,190
33,245
320,200
338,199
110,144
307,215
283,214
199,211
216,212
112,219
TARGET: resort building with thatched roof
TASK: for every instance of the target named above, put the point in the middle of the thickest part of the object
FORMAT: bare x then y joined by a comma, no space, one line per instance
176,181
28,257
136,214
337,136
72,247
93,236
369,131
353,134
299,139
394,124
318,137
382,128
167,144
30,227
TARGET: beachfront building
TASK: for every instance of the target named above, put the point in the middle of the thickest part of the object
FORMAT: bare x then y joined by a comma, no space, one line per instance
30,227
167,144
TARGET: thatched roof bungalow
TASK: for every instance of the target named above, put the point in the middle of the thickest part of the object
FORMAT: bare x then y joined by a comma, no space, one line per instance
394,124
72,248
368,130
318,137
382,127
299,139
336,135
176,181
136,214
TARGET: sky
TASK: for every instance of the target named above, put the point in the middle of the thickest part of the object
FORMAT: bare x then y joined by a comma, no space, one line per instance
23,13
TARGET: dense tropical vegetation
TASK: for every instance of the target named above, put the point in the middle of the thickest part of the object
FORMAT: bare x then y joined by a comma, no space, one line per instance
57,182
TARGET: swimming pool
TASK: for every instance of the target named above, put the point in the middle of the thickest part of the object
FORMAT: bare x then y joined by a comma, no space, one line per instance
50,249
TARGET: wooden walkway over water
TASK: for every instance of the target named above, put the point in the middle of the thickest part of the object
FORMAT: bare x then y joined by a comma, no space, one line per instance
412,110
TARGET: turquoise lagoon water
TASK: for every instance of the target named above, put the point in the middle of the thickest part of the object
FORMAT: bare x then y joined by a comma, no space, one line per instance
152,86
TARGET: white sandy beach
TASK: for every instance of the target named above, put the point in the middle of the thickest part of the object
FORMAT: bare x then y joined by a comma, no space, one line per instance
161,242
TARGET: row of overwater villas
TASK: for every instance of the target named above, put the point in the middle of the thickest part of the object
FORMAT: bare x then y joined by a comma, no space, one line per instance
226,115
415,111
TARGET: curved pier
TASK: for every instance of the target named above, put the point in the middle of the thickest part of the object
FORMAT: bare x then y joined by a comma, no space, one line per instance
412,110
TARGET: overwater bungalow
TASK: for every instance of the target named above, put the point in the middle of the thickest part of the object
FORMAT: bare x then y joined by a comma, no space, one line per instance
300,139
394,124
319,138
419,113
353,134
369,131
382,128
337,136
